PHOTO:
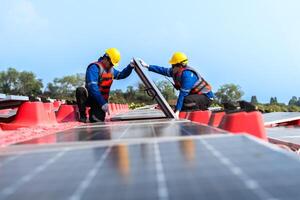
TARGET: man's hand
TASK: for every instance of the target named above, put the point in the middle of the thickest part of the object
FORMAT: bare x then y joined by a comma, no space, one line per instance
105,108
143,63
132,64
177,114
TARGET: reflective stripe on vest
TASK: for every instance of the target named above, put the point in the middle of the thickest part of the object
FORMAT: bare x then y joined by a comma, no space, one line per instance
105,80
200,87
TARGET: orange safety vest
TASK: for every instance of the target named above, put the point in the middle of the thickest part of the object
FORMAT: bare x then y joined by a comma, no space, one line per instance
105,80
200,87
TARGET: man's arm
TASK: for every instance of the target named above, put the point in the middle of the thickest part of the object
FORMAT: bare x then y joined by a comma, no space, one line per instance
188,79
92,75
122,74
161,70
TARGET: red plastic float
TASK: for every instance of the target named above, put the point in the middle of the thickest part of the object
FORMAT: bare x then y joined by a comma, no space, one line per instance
243,122
49,108
29,114
112,108
56,105
199,116
67,113
216,119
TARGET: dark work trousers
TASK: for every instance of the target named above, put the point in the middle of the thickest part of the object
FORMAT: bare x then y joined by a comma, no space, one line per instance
96,114
196,102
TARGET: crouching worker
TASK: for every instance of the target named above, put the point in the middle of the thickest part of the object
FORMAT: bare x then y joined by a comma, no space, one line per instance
98,80
195,92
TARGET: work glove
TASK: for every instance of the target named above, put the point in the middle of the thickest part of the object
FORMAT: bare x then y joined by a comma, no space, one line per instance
143,63
132,63
105,108
177,114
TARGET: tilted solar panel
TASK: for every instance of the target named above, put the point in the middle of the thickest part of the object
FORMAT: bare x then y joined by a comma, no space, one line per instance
154,91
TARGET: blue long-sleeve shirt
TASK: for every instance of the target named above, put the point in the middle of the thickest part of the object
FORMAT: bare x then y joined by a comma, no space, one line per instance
92,77
188,80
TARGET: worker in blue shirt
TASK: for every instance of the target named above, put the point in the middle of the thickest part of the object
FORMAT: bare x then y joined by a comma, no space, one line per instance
98,80
195,93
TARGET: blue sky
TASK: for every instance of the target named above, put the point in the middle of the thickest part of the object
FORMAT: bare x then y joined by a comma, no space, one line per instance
253,43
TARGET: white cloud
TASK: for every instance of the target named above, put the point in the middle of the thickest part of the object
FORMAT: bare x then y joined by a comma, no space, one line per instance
21,16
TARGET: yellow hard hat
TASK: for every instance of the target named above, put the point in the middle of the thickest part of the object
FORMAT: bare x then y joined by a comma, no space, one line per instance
178,57
114,55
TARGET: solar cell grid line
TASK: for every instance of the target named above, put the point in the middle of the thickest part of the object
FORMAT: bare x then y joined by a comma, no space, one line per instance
197,129
187,132
10,159
250,183
10,189
163,193
77,195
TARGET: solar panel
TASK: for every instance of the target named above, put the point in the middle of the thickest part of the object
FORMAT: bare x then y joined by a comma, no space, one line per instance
154,91
287,136
280,117
11,101
11,113
137,130
196,167
139,114
2,96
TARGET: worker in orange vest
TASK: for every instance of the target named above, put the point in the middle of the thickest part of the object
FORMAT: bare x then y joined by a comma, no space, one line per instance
195,93
98,80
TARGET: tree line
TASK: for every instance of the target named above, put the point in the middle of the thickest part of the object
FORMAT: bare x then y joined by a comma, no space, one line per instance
275,106
26,83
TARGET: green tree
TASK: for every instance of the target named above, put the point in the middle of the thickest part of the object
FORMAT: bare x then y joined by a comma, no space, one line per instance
20,83
28,84
130,94
294,108
64,88
229,92
142,96
293,101
167,90
254,100
273,100
117,96
9,81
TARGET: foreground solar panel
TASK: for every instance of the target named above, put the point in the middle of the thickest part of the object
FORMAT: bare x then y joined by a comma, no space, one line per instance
197,167
153,91
280,117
